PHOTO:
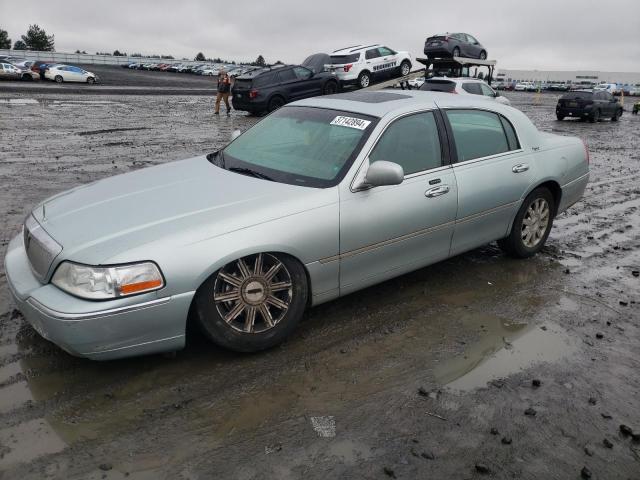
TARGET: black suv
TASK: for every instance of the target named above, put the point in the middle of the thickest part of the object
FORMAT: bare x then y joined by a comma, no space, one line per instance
268,89
591,104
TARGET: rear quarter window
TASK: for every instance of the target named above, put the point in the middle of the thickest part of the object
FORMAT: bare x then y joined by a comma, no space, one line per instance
340,59
438,86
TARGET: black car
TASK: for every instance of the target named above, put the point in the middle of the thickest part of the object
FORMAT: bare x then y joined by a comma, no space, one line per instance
268,89
454,45
592,104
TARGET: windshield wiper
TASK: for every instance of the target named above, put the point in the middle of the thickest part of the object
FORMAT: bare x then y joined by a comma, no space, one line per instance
248,171
217,158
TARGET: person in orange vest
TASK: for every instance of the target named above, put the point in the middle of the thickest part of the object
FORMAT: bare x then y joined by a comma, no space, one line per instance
224,87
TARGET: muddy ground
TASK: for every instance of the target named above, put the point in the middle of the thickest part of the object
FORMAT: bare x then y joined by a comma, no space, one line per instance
431,375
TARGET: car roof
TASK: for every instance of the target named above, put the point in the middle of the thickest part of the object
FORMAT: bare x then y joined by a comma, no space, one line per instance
384,102
459,80
355,49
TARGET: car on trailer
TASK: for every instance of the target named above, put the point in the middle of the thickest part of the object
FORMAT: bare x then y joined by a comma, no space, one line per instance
363,65
463,86
454,45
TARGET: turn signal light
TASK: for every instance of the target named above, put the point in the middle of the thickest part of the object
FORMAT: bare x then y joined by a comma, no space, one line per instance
130,288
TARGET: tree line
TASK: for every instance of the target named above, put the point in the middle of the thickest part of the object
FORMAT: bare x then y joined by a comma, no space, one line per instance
37,39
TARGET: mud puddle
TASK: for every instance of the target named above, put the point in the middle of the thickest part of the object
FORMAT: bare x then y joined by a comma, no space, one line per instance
504,349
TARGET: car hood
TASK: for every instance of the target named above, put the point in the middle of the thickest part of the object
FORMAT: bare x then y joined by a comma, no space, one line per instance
178,202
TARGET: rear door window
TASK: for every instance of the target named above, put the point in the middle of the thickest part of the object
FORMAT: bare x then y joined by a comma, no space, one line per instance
384,51
302,73
287,75
477,134
260,81
371,53
412,142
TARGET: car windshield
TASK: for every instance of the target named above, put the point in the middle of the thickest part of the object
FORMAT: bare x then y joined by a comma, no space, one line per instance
300,145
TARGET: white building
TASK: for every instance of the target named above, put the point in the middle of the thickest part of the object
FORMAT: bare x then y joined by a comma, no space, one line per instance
575,76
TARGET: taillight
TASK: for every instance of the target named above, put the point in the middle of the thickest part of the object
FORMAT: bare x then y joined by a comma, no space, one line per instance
253,93
586,151
348,67
446,39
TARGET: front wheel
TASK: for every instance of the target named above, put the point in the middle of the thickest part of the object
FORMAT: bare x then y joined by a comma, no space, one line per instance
364,80
559,117
483,55
330,88
253,303
531,226
91,80
595,117
616,115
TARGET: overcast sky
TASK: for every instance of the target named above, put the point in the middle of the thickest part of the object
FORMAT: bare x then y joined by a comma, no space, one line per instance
540,34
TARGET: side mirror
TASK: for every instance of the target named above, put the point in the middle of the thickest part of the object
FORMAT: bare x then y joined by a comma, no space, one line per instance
382,173
235,134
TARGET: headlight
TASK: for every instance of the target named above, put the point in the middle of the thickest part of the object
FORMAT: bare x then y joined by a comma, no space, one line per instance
100,283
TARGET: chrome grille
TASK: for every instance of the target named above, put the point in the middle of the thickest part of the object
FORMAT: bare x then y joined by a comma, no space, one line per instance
41,248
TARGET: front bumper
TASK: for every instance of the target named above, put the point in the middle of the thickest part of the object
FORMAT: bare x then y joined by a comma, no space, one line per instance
117,328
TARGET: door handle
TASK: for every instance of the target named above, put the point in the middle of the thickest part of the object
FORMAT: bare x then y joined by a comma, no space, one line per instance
437,191
519,168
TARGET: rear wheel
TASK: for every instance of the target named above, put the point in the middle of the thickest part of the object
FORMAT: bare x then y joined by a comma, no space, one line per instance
483,55
405,68
58,79
559,117
531,226
275,103
456,52
253,303
616,115
595,117
27,77
364,79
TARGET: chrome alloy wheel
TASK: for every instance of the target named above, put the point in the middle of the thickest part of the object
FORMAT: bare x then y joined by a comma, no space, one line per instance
254,293
535,222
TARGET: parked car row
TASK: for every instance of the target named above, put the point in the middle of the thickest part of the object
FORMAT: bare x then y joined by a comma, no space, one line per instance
15,68
207,69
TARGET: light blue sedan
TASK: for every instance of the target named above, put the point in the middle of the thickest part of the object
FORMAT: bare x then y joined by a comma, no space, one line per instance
319,199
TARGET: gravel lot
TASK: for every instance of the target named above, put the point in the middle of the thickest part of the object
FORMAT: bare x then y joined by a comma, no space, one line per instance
480,366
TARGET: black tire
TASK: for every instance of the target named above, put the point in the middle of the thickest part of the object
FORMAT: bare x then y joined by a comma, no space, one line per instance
330,88
58,79
91,80
559,117
456,52
405,68
27,78
483,55
364,79
513,245
616,115
275,103
225,335
595,117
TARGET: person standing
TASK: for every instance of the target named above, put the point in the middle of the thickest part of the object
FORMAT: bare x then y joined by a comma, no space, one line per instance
224,87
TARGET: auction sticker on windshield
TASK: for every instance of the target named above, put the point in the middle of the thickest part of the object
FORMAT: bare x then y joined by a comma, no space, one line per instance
350,122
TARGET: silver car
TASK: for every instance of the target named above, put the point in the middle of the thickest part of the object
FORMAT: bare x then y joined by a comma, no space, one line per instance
321,198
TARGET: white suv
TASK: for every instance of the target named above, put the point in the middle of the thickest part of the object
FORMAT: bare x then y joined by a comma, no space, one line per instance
463,86
363,64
